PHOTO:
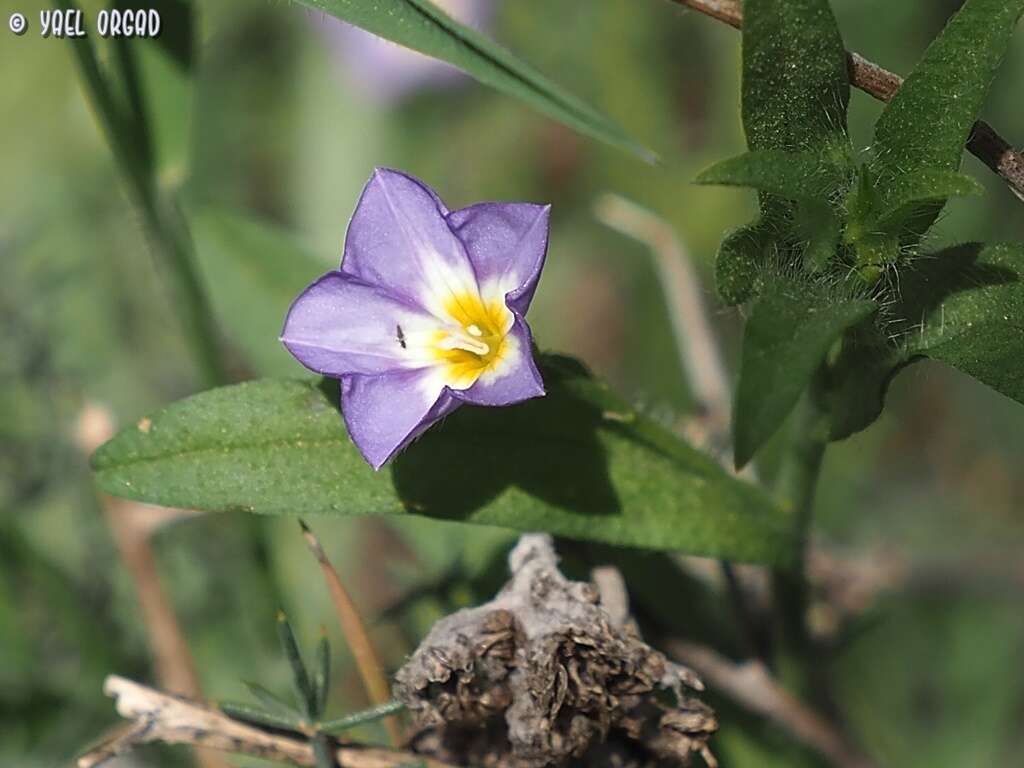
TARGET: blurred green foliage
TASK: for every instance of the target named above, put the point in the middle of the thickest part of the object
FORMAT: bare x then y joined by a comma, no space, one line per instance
270,127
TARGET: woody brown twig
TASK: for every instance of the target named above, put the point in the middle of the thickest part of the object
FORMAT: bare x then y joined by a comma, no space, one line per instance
370,668
169,719
984,143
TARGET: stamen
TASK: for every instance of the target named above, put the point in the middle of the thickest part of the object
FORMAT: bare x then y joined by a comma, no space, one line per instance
466,344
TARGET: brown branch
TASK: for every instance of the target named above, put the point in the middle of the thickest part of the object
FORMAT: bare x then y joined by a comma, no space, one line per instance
162,717
984,143
131,525
751,686
370,669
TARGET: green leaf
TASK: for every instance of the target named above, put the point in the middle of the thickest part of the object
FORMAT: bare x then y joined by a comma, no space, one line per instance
927,123
794,98
795,82
857,381
792,175
304,691
321,677
817,227
965,307
362,717
250,714
579,462
741,257
252,273
270,700
786,339
422,26
905,197
177,28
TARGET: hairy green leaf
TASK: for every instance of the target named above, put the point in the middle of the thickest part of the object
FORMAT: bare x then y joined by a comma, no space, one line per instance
422,26
903,200
786,339
579,463
252,274
794,98
808,179
793,175
740,258
795,82
927,123
965,307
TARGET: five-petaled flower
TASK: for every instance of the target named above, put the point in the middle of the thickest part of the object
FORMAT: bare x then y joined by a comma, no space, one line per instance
426,312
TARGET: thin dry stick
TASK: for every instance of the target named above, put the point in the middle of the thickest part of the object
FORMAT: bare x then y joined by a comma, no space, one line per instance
370,669
131,524
162,717
751,686
984,143
695,341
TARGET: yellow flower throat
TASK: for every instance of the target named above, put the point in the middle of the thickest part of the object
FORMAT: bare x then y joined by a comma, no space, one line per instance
476,342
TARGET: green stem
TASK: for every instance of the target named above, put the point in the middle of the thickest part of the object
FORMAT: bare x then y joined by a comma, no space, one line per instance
796,486
126,135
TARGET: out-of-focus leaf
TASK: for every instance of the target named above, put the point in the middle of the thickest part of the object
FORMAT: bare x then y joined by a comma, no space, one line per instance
321,676
304,692
793,175
965,307
252,272
270,700
361,718
927,123
250,714
177,27
579,463
785,341
422,26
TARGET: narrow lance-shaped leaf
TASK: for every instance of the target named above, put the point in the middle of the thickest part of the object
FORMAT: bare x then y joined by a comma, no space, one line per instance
793,175
965,307
422,26
786,339
927,123
304,692
578,462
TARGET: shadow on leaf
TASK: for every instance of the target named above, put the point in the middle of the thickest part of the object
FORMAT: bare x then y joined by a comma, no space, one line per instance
942,275
548,447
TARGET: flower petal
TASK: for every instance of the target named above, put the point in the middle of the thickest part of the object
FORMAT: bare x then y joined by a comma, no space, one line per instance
340,325
506,244
385,413
514,379
400,240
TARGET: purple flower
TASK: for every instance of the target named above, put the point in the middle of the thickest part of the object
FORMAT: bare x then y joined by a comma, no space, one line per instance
386,73
426,312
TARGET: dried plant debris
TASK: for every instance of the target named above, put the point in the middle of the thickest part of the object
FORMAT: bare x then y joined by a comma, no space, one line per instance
542,676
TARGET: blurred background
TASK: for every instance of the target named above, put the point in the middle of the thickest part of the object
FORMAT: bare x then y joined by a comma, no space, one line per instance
266,142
